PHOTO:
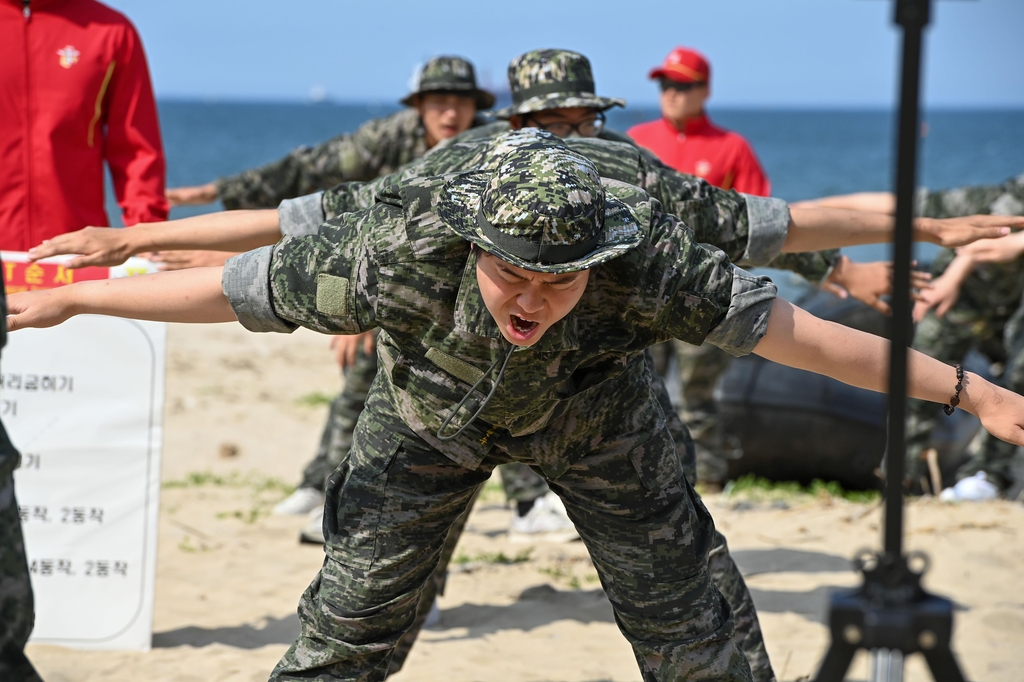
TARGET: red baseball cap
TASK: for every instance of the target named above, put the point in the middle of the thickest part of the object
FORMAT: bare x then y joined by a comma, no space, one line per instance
683,65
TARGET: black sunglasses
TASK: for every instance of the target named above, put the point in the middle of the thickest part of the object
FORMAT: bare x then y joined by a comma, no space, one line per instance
669,84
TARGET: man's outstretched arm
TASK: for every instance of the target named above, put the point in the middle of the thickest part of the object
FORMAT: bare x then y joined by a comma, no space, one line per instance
234,231
798,339
815,229
184,296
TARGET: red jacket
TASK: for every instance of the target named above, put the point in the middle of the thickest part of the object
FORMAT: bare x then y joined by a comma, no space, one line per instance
74,89
721,157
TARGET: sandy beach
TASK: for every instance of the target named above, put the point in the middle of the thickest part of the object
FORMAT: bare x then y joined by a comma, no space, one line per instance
243,415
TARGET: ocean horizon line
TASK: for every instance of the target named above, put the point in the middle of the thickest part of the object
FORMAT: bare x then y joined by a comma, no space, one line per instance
651,104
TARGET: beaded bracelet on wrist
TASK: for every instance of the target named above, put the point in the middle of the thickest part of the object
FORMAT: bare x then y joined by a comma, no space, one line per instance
955,400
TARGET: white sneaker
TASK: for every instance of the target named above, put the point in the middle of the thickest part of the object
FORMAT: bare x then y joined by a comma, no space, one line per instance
302,501
545,522
313,532
976,488
434,617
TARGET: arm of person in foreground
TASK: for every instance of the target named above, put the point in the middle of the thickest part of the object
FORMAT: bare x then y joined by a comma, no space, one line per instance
798,339
814,229
183,296
232,231
873,202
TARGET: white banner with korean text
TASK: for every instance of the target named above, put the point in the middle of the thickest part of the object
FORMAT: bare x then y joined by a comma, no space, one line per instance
83,403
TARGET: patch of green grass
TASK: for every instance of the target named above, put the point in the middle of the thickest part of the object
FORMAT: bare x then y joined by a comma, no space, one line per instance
761,489
264,490
257,482
314,399
562,572
495,558
251,516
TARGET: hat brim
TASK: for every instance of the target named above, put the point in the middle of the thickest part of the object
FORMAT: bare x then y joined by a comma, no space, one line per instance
459,209
676,76
483,99
555,100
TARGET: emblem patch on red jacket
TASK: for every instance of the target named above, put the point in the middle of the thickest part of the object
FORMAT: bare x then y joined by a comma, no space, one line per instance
68,56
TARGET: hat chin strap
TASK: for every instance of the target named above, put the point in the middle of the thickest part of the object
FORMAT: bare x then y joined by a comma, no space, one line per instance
494,388
533,251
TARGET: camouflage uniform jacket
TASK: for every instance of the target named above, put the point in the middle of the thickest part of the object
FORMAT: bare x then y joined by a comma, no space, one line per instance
378,147
398,267
991,289
751,230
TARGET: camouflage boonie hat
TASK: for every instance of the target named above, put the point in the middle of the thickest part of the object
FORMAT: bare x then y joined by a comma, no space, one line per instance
553,79
543,209
448,74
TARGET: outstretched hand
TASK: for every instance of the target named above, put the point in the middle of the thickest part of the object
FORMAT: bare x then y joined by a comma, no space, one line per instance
868,282
940,296
98,246
192,196
42,308
953,232
1003,250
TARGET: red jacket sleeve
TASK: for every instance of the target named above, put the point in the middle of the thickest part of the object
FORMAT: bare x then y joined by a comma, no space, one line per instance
750,177
133,147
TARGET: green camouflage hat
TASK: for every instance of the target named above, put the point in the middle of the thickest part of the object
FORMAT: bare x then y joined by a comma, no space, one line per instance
553,79
543,209
448,74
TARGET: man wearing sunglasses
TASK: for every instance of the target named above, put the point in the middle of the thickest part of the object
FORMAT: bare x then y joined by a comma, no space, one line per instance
685,139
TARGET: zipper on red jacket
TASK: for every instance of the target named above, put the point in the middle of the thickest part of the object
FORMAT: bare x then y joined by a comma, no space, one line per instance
29,182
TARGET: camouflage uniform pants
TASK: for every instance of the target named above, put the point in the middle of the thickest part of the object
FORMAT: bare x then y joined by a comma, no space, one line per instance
392,502
948,340
724,572
16,607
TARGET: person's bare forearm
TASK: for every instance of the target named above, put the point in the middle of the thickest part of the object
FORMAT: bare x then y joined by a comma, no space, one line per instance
235,231
959,269
798,339
183,296
816,229
875,202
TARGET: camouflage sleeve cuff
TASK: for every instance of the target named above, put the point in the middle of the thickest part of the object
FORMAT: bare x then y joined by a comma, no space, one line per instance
769,224
246,283
747,319
302,216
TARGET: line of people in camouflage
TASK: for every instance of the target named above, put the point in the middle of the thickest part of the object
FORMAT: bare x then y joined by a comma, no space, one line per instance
441,133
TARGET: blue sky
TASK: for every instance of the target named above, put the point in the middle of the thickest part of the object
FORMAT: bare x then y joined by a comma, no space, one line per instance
772,53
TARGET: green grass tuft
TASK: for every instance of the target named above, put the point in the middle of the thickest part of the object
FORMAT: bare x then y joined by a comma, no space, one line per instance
761,489
314,399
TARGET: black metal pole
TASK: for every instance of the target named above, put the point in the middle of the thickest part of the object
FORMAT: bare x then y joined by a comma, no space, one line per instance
913,16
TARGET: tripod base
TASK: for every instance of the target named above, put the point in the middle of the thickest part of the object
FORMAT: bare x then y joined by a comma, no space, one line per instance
890,612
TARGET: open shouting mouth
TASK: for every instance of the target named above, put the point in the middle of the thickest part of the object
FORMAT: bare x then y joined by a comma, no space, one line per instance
521,329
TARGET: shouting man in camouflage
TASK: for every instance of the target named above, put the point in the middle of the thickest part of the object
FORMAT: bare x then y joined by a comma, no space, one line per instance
514,306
